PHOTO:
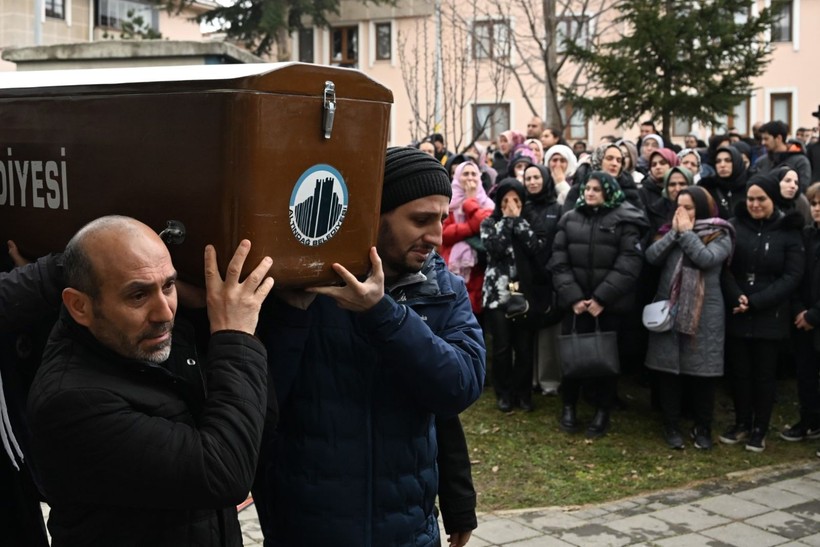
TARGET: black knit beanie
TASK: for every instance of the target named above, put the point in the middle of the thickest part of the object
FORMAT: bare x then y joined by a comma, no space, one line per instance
411,174
769,183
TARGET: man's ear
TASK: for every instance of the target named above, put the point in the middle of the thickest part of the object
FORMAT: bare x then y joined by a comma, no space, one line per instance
78,305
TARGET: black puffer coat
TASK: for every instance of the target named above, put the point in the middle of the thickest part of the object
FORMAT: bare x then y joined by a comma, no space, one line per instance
767,267
730,191
597,254
807,296
131,454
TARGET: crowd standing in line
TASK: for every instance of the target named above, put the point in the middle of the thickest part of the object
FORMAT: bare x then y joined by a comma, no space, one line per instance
713,228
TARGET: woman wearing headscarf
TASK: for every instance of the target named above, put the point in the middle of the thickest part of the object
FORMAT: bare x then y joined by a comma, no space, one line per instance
461,245
791,198
512,245
596,259
630,152
689,357
542,211
806,332
765,272
606,157
661,210
728,185
690,159
561,162
660,162
537,149
507,141
649,144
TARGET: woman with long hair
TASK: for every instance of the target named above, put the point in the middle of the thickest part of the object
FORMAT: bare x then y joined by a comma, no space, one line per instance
689,357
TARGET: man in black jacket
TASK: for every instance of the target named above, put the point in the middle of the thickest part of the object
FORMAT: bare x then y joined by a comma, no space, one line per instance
130,447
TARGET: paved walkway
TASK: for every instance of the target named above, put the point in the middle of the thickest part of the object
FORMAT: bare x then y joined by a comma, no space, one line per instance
773,506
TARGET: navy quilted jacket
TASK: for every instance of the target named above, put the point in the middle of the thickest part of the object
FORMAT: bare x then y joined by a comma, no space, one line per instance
353,459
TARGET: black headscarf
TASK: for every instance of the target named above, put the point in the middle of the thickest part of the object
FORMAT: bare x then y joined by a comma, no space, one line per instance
547,193
505,186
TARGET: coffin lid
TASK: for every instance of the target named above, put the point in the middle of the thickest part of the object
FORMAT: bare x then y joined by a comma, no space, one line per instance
284,78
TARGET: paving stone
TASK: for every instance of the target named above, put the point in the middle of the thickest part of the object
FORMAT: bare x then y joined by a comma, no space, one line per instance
504,530
542,541
589,513
658,506
814,476
731,506
772,496
474,541
681,496
552,521
809,489
810,510
813,541
595,535
785,524
604,519
644,528
689,517
619,506
689,540
743,535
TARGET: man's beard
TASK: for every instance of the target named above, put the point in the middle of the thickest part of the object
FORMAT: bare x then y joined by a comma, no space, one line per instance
387,243
130,348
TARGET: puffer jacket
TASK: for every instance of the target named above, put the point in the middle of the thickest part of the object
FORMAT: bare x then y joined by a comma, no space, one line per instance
730,191
131,453
353,459
808,296
767,267
597,254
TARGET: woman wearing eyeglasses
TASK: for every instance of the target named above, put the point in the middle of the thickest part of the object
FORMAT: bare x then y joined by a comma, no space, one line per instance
728,185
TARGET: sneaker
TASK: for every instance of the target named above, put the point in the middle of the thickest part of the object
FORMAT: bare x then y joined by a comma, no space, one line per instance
757,440
673,437
702,438
800,431
735,434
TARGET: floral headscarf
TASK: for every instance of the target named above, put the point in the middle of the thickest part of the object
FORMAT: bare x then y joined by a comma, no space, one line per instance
613,195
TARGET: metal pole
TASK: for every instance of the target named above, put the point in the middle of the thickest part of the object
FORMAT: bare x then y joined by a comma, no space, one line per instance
39,10
438,69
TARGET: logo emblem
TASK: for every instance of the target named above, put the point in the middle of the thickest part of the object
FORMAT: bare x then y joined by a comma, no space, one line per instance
318,205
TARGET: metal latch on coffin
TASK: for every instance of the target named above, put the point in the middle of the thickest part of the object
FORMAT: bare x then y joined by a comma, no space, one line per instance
329,108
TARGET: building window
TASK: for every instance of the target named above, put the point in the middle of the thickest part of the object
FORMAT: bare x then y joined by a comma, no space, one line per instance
306,45
781,107
490,120
575,127
491,39
681,128
113,13
344,47
782,26
384,40
55,9
573,29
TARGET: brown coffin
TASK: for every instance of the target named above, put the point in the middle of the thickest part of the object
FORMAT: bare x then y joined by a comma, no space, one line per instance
232,152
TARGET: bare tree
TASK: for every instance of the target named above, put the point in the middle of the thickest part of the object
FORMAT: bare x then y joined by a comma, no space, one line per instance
462,77
538,60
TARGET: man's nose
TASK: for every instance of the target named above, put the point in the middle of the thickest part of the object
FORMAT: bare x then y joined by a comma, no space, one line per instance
433,235
162,310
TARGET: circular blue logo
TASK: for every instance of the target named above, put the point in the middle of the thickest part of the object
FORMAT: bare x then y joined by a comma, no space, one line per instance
318,205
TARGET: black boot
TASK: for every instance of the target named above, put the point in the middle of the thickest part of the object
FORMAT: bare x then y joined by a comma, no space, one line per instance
599,425
568,423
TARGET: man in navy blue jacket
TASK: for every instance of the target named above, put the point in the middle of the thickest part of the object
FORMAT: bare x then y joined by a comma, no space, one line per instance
361,372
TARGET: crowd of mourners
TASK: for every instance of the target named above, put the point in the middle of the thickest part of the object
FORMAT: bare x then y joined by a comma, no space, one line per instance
728,232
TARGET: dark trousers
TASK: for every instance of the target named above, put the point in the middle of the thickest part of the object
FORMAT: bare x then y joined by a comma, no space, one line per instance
696,392
807,370
600,392
513,355
753,366
21,520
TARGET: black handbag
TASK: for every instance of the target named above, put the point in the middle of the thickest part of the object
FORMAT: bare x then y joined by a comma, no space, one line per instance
589,355
517,307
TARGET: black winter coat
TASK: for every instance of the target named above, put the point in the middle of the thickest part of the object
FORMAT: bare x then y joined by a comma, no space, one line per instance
659,208
728,192
767,267
597,254
543,213
808,295
131,453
